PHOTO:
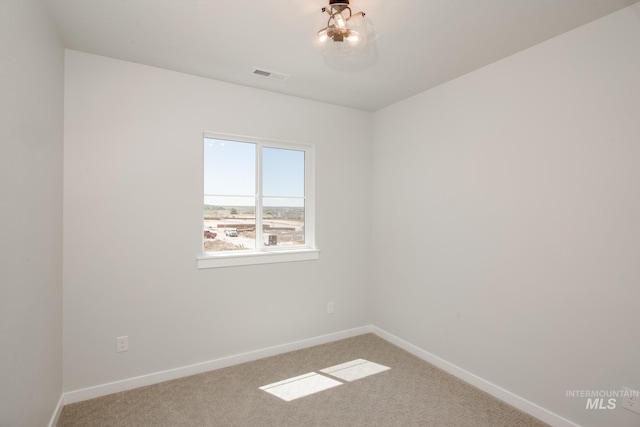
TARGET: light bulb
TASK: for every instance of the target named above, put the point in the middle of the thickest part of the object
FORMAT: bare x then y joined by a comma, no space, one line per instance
322,36
353,37
341,23
320,40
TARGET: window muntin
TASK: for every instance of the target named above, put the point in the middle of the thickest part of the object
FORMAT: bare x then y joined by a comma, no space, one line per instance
256,196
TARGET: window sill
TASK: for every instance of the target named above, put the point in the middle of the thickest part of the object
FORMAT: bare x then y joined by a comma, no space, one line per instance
253,258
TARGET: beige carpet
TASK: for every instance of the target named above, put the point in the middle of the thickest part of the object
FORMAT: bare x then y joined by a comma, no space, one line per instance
411,393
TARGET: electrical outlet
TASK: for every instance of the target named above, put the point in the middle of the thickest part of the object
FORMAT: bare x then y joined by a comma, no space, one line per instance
122,344
631,400
330,308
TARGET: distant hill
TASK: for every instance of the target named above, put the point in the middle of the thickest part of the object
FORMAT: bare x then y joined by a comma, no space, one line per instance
291,213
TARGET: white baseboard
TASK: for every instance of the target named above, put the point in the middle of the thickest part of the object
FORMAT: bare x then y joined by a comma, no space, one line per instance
484,385
198,368
57,412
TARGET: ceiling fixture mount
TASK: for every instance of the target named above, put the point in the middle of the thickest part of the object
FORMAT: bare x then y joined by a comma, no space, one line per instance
345,32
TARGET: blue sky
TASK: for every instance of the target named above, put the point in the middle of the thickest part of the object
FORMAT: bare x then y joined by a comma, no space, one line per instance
230,167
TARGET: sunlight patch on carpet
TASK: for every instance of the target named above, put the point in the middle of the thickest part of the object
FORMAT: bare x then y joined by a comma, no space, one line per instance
300,386
354,370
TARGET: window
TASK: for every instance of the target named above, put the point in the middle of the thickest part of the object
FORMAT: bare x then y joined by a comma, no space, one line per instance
258,202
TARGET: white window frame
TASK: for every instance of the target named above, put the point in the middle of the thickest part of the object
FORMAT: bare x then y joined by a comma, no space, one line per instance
267,254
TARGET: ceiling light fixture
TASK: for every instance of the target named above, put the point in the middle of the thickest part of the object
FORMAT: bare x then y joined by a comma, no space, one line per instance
345,33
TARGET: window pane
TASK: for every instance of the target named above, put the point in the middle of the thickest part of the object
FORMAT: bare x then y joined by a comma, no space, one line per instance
229,223
283,221
229,167
238,178
282,172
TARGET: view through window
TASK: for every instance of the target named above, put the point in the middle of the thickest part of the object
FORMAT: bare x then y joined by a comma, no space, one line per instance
254,196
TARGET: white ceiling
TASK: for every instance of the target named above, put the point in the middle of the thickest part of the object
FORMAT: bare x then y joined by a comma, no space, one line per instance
418,44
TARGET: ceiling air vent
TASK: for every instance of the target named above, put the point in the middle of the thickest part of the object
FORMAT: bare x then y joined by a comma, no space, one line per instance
272,75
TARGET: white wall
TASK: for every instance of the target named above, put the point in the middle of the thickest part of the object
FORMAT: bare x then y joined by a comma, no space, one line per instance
516,188
133,213
31,124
